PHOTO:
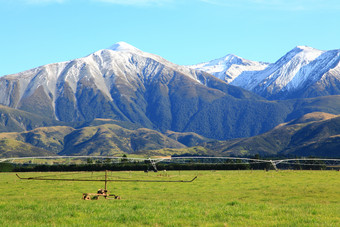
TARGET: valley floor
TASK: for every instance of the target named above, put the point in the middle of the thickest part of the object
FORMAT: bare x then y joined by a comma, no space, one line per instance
215,198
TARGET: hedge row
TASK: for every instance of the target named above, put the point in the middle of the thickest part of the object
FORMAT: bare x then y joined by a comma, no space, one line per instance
7,167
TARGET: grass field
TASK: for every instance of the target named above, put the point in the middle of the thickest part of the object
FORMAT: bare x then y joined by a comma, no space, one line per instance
216,198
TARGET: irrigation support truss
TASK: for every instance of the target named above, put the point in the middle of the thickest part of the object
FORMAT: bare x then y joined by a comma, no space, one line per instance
199,159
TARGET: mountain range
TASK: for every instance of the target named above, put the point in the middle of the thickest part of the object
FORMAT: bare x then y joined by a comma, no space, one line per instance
303,72
124,100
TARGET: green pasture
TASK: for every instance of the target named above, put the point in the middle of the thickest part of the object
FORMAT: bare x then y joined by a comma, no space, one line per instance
216,198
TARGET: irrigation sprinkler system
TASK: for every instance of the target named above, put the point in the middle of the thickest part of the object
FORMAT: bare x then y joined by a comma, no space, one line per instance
102,192
276,164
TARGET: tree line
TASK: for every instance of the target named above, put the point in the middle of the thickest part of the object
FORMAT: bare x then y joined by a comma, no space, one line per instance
145,166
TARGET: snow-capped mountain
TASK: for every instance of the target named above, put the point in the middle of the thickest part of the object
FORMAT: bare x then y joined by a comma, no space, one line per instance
230,67
295,74
125,84
120,68
102,68
301,73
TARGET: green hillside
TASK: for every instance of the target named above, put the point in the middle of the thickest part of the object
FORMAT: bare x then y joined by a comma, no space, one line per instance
104,139
15,148
315,134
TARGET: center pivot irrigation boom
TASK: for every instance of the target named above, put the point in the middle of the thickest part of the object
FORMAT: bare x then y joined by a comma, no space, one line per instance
103,192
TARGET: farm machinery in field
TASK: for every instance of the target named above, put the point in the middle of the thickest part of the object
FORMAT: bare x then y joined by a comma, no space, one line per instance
101,192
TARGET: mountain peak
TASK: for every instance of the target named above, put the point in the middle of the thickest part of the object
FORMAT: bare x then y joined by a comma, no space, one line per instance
229,67
231,57
123,47
301,52
305,48
302,47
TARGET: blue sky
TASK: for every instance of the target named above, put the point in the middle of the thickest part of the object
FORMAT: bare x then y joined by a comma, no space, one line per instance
38,32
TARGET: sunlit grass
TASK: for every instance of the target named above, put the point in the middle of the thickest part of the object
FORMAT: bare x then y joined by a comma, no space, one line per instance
216,198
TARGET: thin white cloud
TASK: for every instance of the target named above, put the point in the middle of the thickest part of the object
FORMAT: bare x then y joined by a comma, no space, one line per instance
291,5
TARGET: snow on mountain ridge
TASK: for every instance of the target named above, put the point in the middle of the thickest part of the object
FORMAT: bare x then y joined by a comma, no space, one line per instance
278,75
288,69
307,48
123,46
229,67
299,68
127,48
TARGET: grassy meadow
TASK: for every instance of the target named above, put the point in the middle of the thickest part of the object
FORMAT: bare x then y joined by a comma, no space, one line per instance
215,198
